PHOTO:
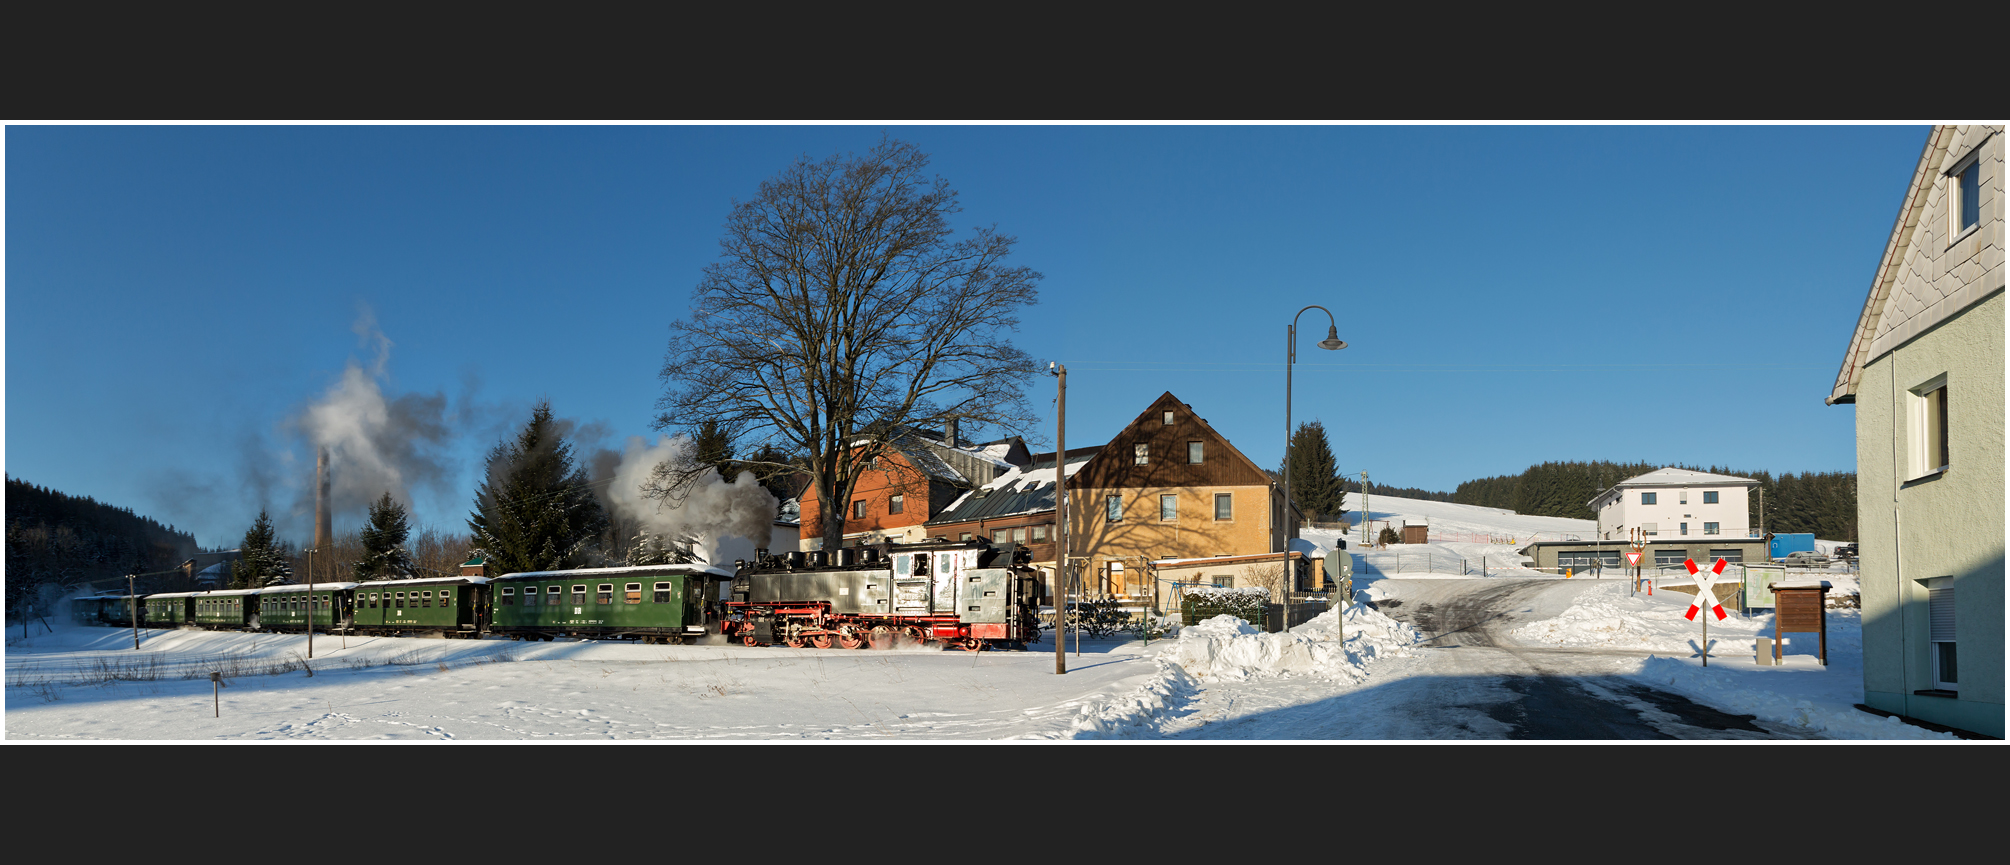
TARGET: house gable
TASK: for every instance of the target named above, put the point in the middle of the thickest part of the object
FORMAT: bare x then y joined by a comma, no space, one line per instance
1166,460
1929,273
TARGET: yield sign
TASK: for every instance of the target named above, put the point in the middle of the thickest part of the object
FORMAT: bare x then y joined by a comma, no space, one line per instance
1633,558
1705,588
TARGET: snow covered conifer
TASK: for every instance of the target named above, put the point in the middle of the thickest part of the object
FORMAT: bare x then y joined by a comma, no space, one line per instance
1315,480
535,512
384,554
260,561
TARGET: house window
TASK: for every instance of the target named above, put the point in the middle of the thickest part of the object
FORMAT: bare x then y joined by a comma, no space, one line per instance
1733,557
1940,632
965,537
1964,188
999,536
1667,557
1039,534
1168,417
1685,528
1141,455
1684,497
1710,528
1647,498
858,509
898,505
1927,428
1193,452
1168,508
1650,529
1115,505
1224,506
1709,497
1019,535
1224,582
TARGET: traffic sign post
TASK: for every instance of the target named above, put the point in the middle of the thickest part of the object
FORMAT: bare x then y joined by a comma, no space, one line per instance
1638,540
1706,587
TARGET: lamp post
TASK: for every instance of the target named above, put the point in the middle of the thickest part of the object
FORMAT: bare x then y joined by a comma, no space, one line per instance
1332,342
1059,585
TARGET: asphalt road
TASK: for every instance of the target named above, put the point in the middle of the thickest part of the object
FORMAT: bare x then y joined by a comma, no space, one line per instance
1493,688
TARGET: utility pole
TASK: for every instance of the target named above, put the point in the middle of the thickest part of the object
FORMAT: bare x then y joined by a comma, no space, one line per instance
133,607
1060,581
1364,509
310,603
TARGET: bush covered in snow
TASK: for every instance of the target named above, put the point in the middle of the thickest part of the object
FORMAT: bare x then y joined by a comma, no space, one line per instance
1206,602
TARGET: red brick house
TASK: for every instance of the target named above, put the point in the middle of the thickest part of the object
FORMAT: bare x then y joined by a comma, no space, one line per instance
922,474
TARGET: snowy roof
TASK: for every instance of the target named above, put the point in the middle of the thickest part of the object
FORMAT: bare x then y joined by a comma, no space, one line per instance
1673,477
449,578
1222,560
637,570
1028,490
301,587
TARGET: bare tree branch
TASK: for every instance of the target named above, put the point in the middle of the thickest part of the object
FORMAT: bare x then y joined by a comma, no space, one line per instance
842,312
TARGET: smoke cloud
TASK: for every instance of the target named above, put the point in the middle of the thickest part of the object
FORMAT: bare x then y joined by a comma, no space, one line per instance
376,444
728,520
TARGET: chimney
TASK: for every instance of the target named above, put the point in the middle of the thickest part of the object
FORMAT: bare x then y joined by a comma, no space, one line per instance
322,519
949,433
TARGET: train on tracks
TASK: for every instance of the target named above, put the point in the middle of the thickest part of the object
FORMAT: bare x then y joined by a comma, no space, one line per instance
968,594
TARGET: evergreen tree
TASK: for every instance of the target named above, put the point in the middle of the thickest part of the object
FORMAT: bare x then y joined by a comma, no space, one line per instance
260,561
384,554
535,512
714,447
1315,480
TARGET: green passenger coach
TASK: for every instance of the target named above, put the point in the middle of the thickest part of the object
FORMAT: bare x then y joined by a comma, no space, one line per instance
456,607
288,608
653,603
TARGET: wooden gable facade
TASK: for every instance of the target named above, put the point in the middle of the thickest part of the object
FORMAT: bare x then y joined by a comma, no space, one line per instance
1169,486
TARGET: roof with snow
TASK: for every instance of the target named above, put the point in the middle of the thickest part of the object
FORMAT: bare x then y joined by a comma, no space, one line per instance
1027,490
637,570
1671,477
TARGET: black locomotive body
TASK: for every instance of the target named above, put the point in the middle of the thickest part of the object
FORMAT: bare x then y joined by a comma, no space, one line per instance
970,594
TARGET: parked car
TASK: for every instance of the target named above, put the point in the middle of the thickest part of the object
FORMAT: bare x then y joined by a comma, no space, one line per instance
1805,559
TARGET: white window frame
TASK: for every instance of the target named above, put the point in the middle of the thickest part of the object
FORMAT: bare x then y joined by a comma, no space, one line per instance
1922,424
1168,417
1113,508
1218,497
1649,498
897,504
1196,453
1956,230
1940,612
1711,528
1141,454
1710,497
1164,501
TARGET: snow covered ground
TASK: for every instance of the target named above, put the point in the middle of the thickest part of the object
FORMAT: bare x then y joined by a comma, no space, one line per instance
1217,680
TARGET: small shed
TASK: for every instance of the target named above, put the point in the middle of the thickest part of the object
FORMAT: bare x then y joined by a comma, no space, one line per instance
1416,534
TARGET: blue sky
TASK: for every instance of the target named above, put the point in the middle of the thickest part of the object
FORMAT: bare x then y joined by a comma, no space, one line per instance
178,297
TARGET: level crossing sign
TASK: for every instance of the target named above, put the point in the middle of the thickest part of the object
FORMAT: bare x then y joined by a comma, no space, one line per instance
1705,588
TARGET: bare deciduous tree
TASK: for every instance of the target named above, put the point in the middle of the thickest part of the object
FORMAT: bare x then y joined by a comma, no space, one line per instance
841,313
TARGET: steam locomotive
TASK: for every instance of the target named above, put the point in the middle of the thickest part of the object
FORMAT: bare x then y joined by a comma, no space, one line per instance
968,594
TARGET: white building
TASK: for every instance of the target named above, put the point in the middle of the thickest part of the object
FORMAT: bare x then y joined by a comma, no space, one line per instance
1674,503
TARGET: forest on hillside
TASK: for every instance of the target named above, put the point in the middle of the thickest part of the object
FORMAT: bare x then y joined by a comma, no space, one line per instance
57,541
1821,503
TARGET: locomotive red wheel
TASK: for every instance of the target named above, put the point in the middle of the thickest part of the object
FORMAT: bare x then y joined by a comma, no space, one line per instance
749,639
882,637
851,640
970,644
919,636
821,641
794,642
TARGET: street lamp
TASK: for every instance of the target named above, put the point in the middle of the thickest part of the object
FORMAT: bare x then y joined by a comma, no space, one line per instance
1332,342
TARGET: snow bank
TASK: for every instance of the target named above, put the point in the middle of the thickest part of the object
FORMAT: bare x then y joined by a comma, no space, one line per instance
1225,647
1774,694
1228,648
1612,620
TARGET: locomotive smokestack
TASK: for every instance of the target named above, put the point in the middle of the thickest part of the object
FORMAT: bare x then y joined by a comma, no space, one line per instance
322,519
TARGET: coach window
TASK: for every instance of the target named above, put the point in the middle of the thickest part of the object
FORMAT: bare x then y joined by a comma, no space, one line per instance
662,593
579,595
606,594
509,596
631,593
400,597
373,600
426,598
444,594
554,595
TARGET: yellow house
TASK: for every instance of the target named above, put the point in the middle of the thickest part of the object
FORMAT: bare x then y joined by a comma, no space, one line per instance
1168,486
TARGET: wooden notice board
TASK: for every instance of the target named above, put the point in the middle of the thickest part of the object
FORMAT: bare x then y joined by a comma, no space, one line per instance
1801,607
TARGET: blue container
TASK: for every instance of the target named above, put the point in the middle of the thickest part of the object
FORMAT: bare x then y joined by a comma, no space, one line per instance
1794,543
